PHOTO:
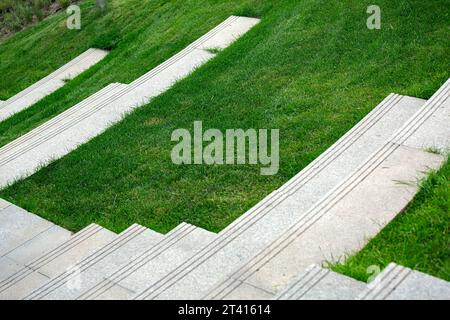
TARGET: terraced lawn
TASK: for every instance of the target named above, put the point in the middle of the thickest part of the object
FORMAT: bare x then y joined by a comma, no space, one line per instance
311,69
418,238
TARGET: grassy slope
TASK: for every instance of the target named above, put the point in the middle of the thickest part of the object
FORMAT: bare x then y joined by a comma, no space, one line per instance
311,69
418,238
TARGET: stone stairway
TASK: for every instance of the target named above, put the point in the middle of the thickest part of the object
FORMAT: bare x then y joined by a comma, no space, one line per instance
50,83
89,118
393,283
328,210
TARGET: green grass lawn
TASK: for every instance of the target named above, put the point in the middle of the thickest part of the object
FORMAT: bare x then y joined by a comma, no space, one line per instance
418,238
311,69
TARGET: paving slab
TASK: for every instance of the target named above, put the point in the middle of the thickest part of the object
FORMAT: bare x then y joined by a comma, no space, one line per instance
54,139
237,26
93,268
36,273
400,283
51,83
434,133
317,283
343,224
154,263
19,226
4,204
270,218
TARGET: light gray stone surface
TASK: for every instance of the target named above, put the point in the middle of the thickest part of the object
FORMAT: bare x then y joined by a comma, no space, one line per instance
246,292
399,283
4,204
39,245
34,274
93,268
51,83
19,226
272,217
317,283
434,133
237,26
151,265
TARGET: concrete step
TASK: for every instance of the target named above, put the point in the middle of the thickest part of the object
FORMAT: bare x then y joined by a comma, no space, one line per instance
275,214
317,283
399,283
23,234
92,269
55,138
65,117
156,262
51,83
353,212
37,272
49,142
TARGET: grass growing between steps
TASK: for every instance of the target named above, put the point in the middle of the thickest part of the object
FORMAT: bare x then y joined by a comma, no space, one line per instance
311,69
419,238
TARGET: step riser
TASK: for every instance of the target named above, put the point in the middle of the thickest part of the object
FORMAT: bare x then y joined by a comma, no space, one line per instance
93,269
321,284
399,283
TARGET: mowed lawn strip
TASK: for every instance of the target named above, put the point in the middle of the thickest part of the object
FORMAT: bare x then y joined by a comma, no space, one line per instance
311,69
418,238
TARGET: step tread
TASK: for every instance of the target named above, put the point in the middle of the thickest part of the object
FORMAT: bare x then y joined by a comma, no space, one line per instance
37,272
